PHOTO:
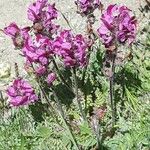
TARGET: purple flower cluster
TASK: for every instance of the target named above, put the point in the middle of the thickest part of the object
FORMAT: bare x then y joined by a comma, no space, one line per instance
86,7
118,26
17,34
38,51
72,49
21,93
42,14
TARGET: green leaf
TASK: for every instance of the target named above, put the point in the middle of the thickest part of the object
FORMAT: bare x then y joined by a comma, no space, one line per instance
22,143
44,132
84,128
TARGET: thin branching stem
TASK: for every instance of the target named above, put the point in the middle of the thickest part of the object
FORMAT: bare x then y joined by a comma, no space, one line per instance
63,116
58,103
51,108
60,75
45,97
3,104
67,21
111,80
112,100
77,95
97,133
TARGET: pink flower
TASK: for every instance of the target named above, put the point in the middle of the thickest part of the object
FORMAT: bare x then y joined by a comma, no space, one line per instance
12,30
35,10
38,50
21,93
17,34
50,14
42,14
81,46
72,49
118,25
51,78
40,70
86,7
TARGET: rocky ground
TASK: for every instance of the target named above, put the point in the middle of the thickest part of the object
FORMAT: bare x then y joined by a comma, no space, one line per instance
15,11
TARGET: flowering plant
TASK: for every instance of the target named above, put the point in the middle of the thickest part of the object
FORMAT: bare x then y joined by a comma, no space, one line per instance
59,61
86,7
17,34
118,26
42,14
72,49
21,93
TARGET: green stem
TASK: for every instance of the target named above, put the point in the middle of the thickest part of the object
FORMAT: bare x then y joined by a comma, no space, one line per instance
67,21
83,75
45,97
60,75
51,109
3,104
86,67
112,101
111,80
62,115
77,95
98,134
